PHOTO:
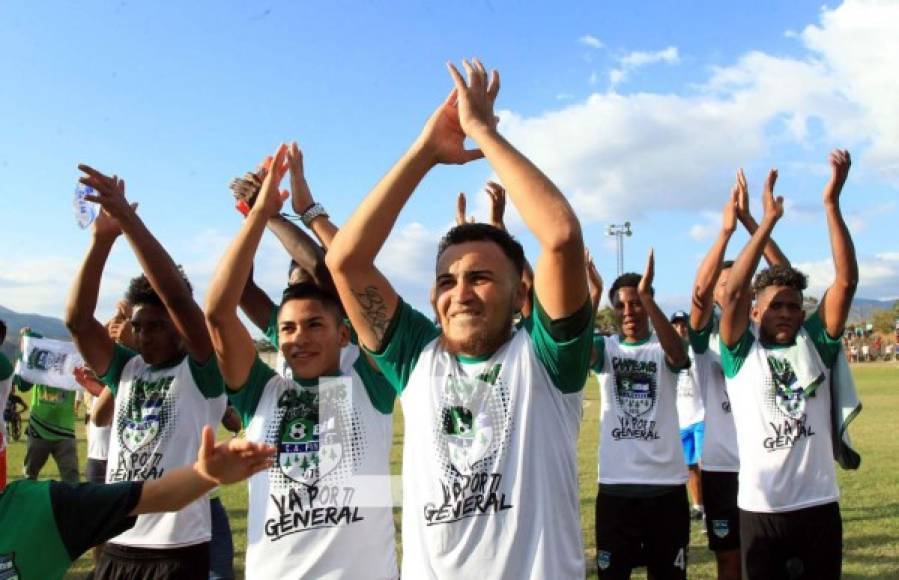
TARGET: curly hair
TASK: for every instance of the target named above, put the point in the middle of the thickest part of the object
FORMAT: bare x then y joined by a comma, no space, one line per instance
627,280
779,275
140,292
479,232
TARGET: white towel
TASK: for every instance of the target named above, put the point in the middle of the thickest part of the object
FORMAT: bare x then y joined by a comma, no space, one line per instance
845,406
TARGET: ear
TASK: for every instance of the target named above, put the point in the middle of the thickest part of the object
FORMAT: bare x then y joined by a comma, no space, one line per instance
343,332
433,299
521,294
756,313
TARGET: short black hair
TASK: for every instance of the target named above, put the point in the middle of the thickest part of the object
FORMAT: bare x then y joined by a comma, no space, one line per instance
479,232
780,275
2,330
627,280
727,264
312,291
141,293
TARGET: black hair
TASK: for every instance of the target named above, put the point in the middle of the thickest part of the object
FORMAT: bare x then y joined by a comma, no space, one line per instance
311,291
780,275
2,330
140,292
628,280
479,232
727,264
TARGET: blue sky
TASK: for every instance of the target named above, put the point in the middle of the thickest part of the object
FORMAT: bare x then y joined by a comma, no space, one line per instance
638,111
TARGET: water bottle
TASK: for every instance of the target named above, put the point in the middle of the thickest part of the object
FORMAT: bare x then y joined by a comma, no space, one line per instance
85,211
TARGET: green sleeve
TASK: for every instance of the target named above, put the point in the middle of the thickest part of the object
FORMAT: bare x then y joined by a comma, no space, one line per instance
699,340
271,331
599,347
380,393
246,399
6,368
88,514
207,376
827,346
407,336
120,356
563,346
732,359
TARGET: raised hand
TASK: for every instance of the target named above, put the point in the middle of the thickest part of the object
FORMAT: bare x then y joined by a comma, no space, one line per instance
110,194
497,195
743,213
271,198
840,161
773,206
88,381
461,208
443,137
231,461
644,288
729,215
594,280
301,195
475,97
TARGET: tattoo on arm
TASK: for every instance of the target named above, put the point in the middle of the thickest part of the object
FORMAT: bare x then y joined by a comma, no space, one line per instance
374,309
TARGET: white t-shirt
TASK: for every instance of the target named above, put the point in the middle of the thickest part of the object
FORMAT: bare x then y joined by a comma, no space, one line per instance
98,441
719,448
690,409
159,418
490,452
783,429
639,440
325,509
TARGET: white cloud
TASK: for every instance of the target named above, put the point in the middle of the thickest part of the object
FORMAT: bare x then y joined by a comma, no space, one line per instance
708,228
591,41
637,59
878,276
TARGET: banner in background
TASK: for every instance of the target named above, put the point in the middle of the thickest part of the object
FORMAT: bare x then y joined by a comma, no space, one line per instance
50,362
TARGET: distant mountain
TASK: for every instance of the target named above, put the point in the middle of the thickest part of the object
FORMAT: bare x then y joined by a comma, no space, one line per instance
862,308
45,325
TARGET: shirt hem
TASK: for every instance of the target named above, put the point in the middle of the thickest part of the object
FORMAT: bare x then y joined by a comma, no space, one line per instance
145,546
789,508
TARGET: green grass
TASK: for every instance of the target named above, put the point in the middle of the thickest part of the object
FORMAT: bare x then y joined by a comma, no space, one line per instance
870,496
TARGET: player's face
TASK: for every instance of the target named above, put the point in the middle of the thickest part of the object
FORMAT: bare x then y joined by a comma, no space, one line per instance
310,336
477,292
779,314
154,334
681,327
630,315
721,286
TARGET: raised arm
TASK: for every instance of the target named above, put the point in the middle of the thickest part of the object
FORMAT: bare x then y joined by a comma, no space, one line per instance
302,202
738,296
542,206
256,304
594,280
710,268
158,266
367,296
675,350
90,336
772,252
231,341
835,304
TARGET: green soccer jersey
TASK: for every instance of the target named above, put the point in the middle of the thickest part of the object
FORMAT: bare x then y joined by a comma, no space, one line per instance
52,412
47,525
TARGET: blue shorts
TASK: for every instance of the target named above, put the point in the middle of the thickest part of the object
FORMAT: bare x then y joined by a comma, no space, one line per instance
691,439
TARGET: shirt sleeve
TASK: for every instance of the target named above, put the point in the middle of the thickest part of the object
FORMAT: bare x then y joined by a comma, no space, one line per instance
246,399
120,357
699,340
207,376
6,368
732,359
827,346
409,333
599,347
88,514
380,392
563,346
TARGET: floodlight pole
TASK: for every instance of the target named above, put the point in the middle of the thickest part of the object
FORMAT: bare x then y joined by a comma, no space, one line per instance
619,231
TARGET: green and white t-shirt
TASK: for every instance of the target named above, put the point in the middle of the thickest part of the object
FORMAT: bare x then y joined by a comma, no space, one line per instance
783,428
47,525
6,372
324,509
719,448
159,417
489,459
52,415
639,439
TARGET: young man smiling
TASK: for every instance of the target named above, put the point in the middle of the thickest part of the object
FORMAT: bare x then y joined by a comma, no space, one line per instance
324,510
778,375
491,412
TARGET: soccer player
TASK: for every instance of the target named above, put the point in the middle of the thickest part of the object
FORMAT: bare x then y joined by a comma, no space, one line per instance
642,512
325,509
491,411
163,394
778,382
720,462
47,525
690,416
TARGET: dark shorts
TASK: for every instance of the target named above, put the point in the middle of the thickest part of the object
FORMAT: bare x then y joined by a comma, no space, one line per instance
95,470
187,563
806,543
635,531
722,517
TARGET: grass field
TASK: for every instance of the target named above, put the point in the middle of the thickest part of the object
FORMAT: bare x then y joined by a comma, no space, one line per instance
870,496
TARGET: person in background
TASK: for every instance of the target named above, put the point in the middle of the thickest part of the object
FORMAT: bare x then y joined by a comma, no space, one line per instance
691,415
6,373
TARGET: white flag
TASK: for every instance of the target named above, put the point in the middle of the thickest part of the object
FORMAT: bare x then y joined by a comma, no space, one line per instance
50,362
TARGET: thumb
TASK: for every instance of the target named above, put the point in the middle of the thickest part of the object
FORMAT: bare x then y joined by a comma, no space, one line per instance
207,443
471,155
284,194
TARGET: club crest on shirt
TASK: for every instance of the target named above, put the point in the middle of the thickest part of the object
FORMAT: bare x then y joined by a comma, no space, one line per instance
145,413
603,559
635,386
8,570
789,396
468,425
309,444
721,528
